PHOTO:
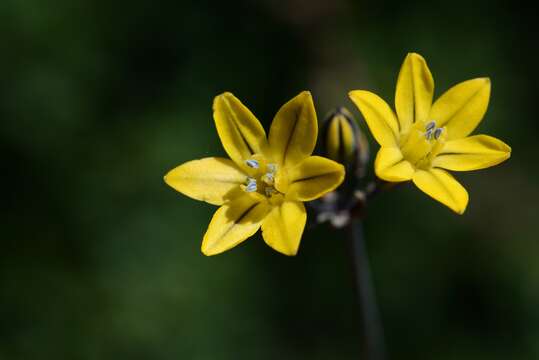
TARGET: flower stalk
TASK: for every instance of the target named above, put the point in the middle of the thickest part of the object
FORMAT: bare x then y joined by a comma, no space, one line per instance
372,333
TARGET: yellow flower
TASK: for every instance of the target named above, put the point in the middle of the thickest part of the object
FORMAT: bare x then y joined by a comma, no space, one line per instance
267,179
423,139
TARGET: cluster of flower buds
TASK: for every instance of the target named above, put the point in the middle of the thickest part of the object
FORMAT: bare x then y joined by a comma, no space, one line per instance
342,141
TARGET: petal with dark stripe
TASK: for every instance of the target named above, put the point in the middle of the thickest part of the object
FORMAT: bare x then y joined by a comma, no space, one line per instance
240,132
415,88
294,129
233,223
472,153
283,227
213,180
442,186
461,108
313,177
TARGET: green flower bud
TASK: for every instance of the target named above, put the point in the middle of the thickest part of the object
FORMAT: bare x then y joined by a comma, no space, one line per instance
344,142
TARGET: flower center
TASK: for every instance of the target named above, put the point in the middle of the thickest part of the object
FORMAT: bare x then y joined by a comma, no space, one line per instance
261,178
422,143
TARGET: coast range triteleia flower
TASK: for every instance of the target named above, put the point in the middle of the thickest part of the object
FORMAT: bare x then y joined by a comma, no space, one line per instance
423,139
265,181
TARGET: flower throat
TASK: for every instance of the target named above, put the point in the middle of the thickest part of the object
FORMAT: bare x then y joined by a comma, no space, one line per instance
422,143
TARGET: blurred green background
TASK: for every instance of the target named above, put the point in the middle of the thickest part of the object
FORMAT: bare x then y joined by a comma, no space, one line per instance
101,260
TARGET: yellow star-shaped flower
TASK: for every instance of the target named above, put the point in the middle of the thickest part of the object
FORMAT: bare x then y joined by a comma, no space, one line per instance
423,139
265,181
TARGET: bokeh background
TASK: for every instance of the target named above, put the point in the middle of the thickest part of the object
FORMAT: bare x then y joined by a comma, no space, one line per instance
100,259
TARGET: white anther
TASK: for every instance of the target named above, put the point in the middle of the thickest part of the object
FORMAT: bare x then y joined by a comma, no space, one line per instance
252,163
438,133
428,134
268,178
430,126
251,185
272,168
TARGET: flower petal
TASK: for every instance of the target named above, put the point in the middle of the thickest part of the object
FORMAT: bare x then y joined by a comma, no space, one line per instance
232,223
293,131
391,166
283,227
461,108
313,177
442,186
213,180
378,115
415,88
472,153
240,132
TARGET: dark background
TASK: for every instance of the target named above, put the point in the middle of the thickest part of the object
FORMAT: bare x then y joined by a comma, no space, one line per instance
101,260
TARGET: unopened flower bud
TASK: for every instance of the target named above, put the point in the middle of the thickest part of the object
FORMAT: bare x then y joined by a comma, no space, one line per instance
344,142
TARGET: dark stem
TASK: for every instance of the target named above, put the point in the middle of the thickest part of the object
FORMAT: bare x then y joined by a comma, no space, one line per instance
372,334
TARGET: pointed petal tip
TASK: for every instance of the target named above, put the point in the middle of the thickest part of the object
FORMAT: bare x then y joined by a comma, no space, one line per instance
167,177
416,55
290,253
485,80
360,94
222,95
505,148
461,210
357,95
282,250
208,251
305,95
356,92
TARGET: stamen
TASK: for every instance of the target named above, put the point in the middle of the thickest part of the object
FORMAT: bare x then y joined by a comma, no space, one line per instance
269,191
431,125
252,163
268,178
272,168
251,185
438,133
428,134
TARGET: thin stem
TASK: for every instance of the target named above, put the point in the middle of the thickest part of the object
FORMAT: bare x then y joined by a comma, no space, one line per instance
372,334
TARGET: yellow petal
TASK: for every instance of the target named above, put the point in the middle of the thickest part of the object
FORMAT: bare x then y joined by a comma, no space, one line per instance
442,186
283,227
415,87
472,153
213,180
391,166
232,223
461,108
293,131
240,132
313,177
378,115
